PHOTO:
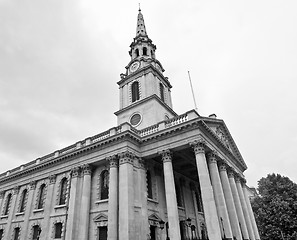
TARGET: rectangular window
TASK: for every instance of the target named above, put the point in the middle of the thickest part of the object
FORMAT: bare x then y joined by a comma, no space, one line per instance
102,233
58,230
1,234
16,233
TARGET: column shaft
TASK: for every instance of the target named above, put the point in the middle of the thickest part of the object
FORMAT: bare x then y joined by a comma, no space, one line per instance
85,203
230,203
171,202
126,197
209,206
238,207
219,198
245,210
72,210
252,217
113,199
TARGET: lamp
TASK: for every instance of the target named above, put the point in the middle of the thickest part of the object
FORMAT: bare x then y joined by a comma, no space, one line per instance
162,224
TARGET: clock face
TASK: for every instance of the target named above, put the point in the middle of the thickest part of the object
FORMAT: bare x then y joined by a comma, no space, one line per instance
134,66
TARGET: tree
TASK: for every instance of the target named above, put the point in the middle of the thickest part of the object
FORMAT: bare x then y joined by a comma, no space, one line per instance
275,208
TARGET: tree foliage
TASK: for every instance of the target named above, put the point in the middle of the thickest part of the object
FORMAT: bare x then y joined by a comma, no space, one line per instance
275,208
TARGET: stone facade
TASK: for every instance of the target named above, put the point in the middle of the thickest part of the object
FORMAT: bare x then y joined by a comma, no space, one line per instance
155,176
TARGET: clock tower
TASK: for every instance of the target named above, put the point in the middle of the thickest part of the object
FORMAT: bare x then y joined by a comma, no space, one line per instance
145,96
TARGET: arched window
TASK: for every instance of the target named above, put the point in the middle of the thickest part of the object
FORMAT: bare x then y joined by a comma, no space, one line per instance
16,233
152,54
144,51
149,184
58,230
135,91
104,184
23,200
162,92
63,191
7,204
36,232
137,52
41,197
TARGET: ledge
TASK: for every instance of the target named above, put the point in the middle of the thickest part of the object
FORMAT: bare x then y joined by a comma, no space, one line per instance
38,210
102,201
20,213
60,206
4,216
152,200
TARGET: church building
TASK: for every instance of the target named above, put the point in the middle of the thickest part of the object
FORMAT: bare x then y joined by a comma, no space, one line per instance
156,175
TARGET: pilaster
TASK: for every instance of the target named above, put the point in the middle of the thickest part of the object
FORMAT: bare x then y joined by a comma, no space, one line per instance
72,210
209,206
85,202
113,198
49,204
126,196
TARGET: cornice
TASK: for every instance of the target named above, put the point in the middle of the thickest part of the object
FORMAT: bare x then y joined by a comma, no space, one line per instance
140,72
154,96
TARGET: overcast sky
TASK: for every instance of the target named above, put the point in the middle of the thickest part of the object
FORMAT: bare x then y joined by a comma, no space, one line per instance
60,61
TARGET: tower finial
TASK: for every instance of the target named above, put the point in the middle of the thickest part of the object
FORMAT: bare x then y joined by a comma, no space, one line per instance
139,7
140,30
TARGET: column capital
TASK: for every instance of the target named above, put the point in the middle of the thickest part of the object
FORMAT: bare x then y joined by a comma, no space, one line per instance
16,190
198,145
33,184
113,161
126,157
2,193
86,169
222,165
230,172
212,156
52,178
75,172
166,155
141,163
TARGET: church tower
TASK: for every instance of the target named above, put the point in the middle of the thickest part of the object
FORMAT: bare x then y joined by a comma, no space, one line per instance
145,96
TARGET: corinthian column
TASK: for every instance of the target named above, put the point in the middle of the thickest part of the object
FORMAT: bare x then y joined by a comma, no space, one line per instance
219,196
209,206
245,210
72,210
126,196
252,217
171,203
230,202
238,207
85,202
113,199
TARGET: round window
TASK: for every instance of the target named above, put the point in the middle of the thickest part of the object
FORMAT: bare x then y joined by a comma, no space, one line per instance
135,119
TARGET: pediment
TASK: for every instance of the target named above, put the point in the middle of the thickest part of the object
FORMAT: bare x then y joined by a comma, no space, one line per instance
100,218
154,217
219,130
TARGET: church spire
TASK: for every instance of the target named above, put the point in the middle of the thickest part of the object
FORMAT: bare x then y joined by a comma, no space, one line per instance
140,29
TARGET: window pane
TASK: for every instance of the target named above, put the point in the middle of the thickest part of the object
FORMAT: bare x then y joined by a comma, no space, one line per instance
63,191
58,230
16,233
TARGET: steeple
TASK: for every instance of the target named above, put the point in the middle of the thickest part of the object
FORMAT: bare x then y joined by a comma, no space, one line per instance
145,96
140,29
